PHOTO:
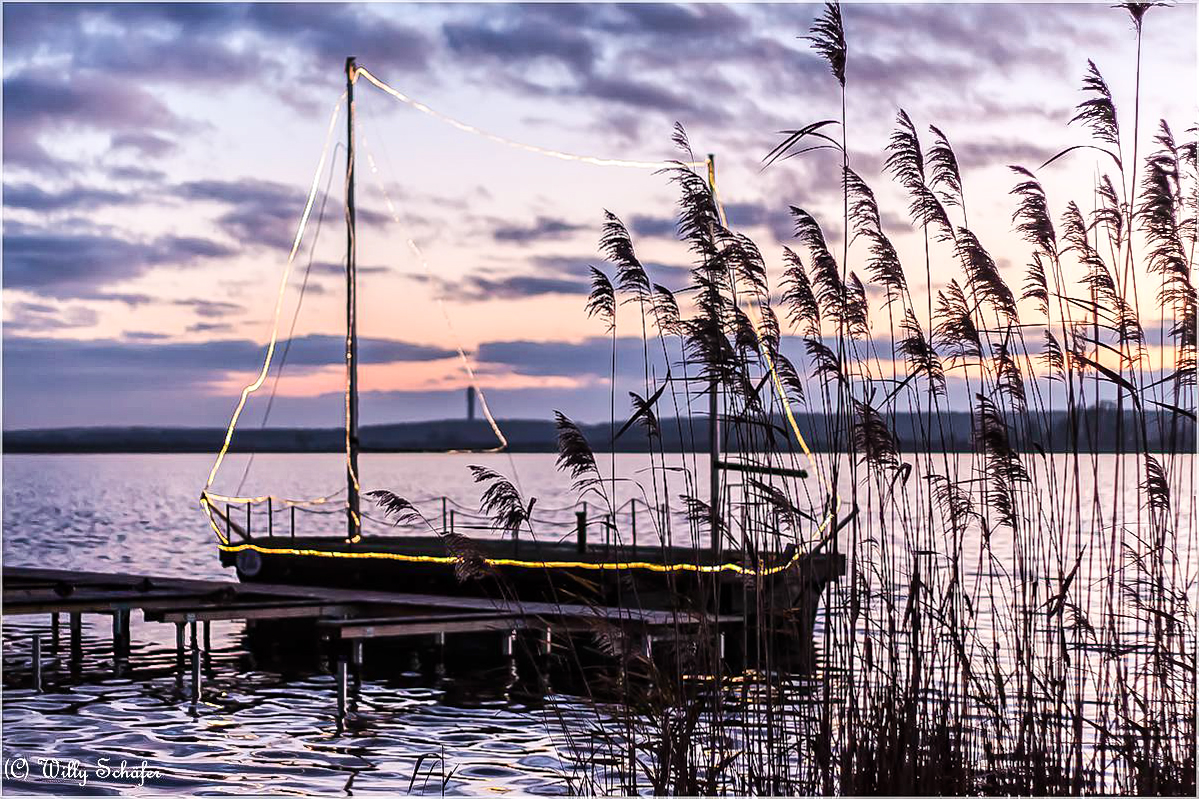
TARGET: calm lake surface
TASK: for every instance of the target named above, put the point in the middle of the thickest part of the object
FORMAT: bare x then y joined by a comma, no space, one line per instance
265,729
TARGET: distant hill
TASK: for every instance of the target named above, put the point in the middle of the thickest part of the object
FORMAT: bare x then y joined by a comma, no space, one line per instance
951,431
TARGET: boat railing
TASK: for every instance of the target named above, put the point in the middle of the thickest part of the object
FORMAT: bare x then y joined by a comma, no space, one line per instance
633,523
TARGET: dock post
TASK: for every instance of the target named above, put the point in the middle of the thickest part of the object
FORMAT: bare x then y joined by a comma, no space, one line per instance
633,514
37,663
76,637
120,635
443,512
270,518
341,686
293,522
451,520
228,521
581,529
195,673
208,642
54,628
356,656
180,654
249,518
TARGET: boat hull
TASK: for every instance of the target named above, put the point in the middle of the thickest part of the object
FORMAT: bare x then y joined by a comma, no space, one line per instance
787,590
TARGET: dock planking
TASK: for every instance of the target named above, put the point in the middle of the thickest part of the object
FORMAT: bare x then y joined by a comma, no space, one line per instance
346,617
348,614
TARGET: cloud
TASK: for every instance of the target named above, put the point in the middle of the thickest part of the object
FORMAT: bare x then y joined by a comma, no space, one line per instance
653,226
261,212
107,366
513,287
521,40
749,214
553,274
544,228
145,145
591,357
210,327
210,309
74,264
34,317
35,198
740,215
37,103
137,174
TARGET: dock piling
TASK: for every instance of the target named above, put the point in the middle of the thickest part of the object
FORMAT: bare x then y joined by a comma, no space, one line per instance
633,514
195,672
191,618
120,637
270,518
356,656
341,686
293,522
54,627
581,529
37,663
76,637
249,518
180,654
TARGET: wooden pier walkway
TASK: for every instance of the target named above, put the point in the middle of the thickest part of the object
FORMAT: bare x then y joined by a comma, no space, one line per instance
347,617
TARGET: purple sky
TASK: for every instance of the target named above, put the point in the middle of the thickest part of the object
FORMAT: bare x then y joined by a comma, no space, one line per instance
157,157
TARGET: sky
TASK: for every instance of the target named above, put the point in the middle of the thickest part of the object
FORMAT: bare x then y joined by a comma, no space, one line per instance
157,159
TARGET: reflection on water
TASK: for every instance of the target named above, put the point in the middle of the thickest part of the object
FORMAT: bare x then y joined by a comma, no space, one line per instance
258,730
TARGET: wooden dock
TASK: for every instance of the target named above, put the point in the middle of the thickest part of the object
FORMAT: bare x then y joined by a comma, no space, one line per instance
347,617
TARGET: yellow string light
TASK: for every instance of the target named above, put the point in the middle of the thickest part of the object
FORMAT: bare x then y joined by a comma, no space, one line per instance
270,350
523,564
532,148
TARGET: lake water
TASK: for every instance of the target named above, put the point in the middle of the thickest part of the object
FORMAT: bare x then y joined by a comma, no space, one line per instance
265,729
256,731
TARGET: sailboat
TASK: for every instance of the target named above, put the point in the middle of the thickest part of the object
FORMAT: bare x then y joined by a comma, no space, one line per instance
660,576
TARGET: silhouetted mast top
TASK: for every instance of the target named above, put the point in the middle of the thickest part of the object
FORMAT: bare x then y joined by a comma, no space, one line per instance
353,517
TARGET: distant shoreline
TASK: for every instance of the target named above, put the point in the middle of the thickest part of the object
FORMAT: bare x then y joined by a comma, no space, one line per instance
535,435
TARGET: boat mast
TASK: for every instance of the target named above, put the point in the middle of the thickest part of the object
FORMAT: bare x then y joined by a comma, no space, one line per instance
353,516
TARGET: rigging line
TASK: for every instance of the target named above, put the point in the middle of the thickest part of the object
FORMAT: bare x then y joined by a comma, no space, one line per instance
420,256
419,253
775,381
270,350
532,148
291,332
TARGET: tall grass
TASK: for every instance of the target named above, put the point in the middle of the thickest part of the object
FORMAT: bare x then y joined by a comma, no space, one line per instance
1018,618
